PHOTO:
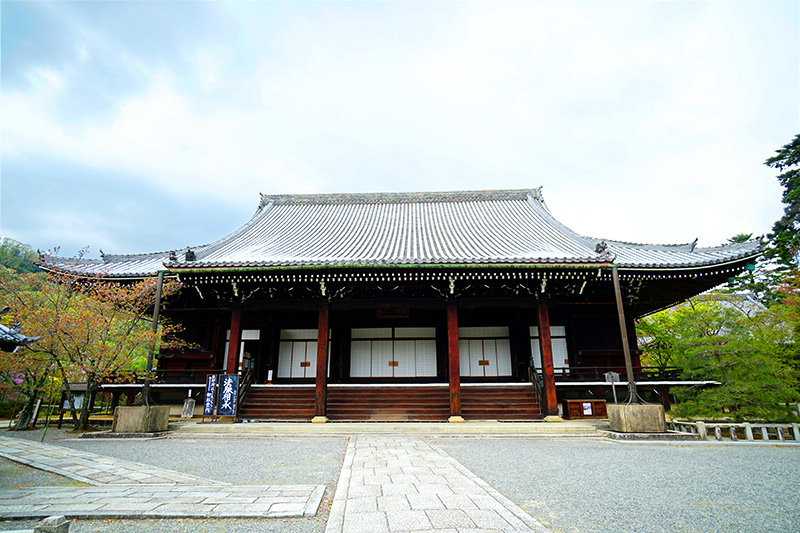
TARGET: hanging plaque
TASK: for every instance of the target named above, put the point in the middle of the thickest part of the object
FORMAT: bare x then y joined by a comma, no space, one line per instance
226,403
211,385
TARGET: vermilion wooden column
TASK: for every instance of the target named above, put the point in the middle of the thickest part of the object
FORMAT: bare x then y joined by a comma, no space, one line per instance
454,368
231,366
546,349
321,394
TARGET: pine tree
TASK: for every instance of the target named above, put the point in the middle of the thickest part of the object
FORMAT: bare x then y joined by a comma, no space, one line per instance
785,236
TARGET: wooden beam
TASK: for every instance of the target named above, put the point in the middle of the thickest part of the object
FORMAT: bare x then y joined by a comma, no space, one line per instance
321,393
546,349
454,368
231,366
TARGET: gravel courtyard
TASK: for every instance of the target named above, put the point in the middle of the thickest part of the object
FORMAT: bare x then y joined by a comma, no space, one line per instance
569,485
600,486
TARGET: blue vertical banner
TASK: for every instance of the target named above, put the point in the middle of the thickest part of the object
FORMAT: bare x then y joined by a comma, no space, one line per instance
228,388
211,385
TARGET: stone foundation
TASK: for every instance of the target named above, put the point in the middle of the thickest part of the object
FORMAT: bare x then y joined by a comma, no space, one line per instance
637,418
142,419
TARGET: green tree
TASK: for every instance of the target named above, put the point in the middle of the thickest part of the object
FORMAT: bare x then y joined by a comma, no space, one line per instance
91,330
761,279
17,256
785,236
747,349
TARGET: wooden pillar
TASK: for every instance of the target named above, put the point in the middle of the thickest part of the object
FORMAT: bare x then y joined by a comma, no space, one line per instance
321,392
454,368
152,353
665,398
232,364
546,349
626,347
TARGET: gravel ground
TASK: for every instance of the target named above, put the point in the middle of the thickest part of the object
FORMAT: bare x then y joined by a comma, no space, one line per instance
14,475
244,461
294,525
568,485
598,486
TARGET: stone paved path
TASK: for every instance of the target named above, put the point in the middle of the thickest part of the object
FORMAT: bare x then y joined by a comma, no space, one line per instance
402,483
90,467
122,489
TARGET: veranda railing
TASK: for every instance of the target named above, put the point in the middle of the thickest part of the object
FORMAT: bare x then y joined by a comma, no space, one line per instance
738,431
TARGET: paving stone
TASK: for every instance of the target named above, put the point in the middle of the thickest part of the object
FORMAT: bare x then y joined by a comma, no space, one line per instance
393,503
127,506
424,501
376,480
241,509
484,501
486,519
215,500
434,489
287,508
457,501
365,522
431,492
512,519
401,489
362,491
361,505
449,518
413,520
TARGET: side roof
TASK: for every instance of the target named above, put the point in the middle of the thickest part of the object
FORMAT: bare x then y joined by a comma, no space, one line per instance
429,228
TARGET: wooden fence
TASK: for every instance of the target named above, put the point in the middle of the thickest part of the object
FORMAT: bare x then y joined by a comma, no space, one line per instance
733,432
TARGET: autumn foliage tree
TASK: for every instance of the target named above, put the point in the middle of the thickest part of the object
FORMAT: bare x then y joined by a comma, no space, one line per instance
91,330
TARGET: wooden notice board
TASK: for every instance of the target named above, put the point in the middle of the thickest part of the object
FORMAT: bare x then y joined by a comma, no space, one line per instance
577,409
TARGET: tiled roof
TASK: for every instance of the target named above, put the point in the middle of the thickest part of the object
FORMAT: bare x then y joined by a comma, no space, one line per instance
440,228
10,337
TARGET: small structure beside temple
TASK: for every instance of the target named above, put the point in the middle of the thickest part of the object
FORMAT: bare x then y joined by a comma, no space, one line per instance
11,338
418,306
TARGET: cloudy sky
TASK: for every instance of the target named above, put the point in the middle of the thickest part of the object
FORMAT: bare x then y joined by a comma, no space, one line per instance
146,126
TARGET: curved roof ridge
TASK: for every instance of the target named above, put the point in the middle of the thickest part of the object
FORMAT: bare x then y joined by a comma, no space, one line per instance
400,197
114,258
589,242
747,245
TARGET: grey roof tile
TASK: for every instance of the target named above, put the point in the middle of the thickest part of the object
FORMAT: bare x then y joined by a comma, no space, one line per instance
463,227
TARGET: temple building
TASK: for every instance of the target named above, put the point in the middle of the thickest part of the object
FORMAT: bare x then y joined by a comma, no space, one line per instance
418,306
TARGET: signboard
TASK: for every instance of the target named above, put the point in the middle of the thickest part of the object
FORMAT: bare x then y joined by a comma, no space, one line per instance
77,401
587,408
211,385
226,404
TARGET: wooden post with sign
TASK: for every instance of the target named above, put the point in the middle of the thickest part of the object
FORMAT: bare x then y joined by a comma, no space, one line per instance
211,396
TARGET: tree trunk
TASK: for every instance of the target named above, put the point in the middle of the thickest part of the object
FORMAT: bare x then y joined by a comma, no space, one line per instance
26,414
83,422
70,402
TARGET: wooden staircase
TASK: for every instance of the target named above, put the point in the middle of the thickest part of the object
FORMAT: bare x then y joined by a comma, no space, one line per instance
391,403
278,402
499,402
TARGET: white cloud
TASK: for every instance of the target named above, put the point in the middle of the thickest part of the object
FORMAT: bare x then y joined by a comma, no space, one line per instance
628,120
